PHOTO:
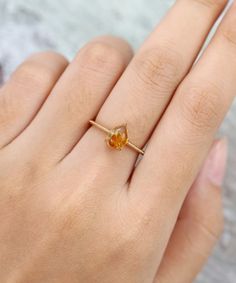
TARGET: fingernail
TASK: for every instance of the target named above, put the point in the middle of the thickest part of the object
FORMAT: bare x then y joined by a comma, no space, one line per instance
215,165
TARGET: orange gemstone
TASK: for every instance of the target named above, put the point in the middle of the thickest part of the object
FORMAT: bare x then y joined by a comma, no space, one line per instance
118,137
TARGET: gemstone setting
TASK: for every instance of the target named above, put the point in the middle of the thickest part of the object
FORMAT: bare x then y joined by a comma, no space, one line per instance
118,137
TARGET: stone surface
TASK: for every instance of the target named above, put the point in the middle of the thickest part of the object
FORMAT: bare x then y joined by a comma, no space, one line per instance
27,26
118,137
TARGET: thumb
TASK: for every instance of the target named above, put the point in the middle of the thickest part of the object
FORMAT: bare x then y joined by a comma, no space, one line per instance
199,224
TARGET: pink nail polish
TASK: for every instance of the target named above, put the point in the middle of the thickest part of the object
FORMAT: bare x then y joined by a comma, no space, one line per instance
215,164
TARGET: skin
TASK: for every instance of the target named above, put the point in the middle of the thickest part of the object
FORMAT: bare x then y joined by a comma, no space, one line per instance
74,210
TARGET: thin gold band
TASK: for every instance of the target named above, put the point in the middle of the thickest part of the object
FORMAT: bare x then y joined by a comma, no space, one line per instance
108,132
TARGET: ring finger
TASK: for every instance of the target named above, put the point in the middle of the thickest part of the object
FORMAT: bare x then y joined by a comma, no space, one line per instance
146,87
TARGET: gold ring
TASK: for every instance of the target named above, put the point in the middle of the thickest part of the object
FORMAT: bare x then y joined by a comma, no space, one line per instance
117,138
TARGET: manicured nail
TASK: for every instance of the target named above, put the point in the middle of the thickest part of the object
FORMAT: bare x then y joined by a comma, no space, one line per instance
215,164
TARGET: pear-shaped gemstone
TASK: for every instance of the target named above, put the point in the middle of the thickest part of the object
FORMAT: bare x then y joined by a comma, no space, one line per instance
118,137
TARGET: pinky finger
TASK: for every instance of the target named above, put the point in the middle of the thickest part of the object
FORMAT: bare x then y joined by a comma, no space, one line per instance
199,224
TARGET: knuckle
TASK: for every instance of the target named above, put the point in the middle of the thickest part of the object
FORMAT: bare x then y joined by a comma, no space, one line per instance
49,56
205,242
127,246
209,227
101,57
33,74
228,31
211,231
7,103
212,3
201,106
216,226
159,68
129,233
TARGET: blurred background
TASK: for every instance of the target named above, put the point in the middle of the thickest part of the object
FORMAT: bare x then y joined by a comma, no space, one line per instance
28,26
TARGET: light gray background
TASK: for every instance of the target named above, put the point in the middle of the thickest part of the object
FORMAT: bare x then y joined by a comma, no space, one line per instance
27,26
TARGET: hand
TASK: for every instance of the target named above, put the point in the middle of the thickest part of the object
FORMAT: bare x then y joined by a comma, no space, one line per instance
73,209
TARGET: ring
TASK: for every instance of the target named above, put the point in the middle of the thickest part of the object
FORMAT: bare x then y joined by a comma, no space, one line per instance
117,138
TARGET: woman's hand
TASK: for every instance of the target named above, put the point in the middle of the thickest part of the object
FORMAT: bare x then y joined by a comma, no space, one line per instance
73,209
